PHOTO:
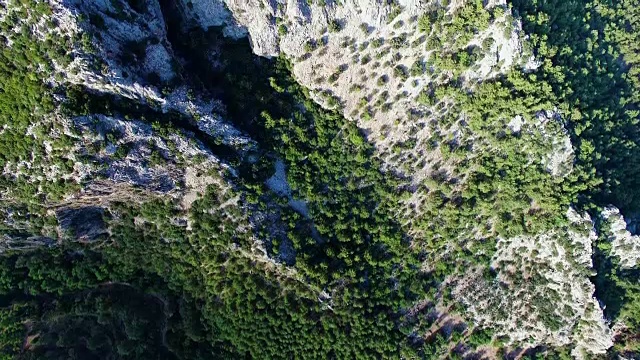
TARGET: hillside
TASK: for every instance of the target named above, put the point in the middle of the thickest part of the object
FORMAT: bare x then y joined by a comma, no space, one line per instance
252,179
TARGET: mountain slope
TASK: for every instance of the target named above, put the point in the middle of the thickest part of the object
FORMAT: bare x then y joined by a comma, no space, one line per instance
402,180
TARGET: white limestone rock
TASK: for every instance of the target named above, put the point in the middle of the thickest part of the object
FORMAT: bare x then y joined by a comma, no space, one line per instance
542,293
624,245
140,141
560,156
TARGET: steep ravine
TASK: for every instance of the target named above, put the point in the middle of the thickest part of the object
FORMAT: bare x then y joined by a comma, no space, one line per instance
212,65
393,181
209,62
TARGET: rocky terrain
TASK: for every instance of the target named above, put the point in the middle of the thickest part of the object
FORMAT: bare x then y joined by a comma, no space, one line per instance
542,292
369,60
415,77
624,244
328,45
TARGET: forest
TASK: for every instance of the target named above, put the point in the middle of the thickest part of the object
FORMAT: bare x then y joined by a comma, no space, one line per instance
600,94
357,286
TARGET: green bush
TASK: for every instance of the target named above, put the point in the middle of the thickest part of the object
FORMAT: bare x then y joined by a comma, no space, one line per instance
334,26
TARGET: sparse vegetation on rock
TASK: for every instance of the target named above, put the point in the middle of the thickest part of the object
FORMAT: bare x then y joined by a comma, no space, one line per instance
401,179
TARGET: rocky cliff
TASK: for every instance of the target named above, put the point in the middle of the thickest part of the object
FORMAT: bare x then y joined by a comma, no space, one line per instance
148,122
368,59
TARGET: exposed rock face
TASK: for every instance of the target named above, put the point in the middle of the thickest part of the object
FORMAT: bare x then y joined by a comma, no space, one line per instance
131,48
208,119
305,19
123,55
24,243
341,50
213,13
135,38
278,183
559,161
133,153
624,245
83,224
135,56
542,292
560,157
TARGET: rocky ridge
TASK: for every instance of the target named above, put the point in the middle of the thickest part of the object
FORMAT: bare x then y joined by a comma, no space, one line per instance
176,145
541,292
560,259
351,53
624,244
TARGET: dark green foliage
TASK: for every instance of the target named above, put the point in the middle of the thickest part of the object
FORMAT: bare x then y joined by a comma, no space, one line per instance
401,72
310,45
76,304
282,29
480,337
26,102
364,27
418,68
12,333
619,290
22,93
398,42
598,96
376,43
236,304
335,26
599,99
158,290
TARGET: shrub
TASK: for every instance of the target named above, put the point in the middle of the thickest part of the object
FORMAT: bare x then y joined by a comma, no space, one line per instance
355,88
399,41
426,98
364,27
310,45
395,11
334,26
418,68
401,72
282,29
487,43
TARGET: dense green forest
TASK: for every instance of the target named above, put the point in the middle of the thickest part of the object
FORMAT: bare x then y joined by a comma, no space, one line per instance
596,82
358,286
209,303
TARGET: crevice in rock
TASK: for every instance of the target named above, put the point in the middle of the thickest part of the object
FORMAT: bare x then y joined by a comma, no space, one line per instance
107,103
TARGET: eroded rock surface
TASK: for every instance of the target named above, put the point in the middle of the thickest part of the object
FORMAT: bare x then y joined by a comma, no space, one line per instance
624,245
541,291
